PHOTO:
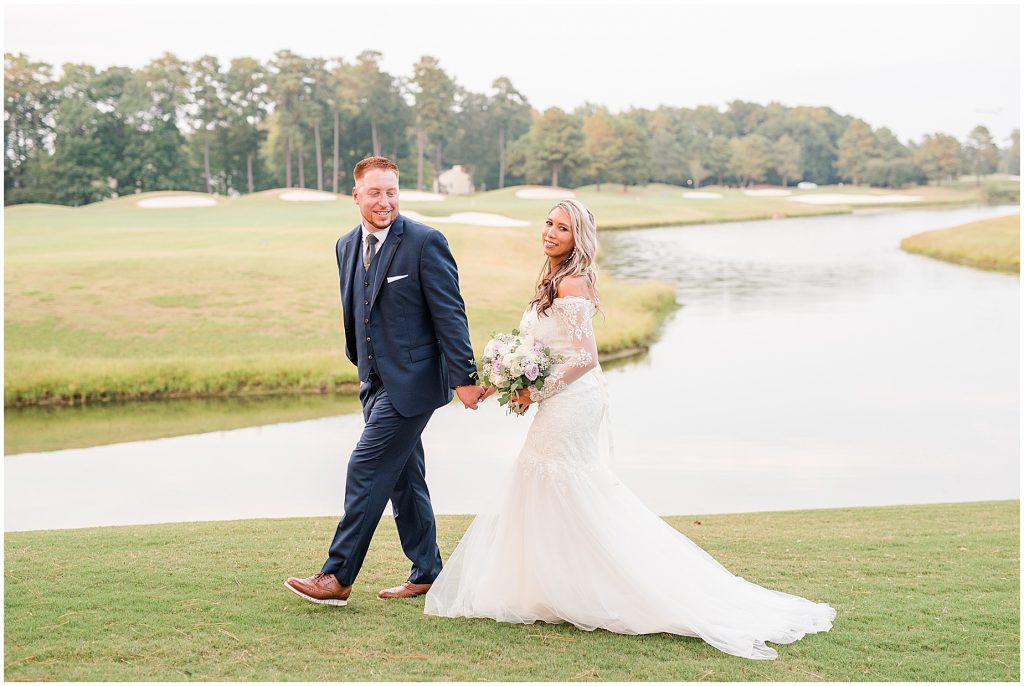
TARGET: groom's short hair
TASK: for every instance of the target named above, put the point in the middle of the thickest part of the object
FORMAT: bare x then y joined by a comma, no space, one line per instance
374,162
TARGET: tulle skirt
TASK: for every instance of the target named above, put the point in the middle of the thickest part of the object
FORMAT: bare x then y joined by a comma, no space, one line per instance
569,542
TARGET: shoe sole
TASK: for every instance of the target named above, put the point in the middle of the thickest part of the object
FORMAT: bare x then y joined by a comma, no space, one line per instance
326,601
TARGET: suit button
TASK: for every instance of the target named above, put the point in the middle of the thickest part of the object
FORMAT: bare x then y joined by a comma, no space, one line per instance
367,339
366,283
370,356
366,321
366,302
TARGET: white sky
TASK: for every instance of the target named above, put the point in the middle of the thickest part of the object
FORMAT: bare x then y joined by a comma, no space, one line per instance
916,68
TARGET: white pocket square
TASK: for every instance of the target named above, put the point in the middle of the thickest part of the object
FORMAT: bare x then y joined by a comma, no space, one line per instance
396,278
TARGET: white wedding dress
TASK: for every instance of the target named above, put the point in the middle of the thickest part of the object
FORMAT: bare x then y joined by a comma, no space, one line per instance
570,543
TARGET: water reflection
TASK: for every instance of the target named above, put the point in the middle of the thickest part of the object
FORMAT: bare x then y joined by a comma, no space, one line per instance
816,364
40,429
803,258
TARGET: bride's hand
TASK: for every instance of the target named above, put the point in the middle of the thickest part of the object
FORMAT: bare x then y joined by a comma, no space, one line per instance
522,399
488,392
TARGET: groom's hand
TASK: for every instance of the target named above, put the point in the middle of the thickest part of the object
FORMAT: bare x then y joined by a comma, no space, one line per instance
470,395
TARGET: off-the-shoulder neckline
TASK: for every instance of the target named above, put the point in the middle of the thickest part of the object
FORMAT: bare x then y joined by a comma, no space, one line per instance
533,306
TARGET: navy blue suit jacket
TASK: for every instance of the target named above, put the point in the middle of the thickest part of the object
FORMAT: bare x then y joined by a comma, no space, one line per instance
418,322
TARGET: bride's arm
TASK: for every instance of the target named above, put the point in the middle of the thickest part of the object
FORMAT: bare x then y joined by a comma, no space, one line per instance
574,308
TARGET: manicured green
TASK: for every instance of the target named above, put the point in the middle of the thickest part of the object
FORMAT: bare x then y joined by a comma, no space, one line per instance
923,593
113,302
992,244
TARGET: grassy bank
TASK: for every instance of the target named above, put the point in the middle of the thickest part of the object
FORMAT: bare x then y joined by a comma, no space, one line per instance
923,593
38,428
992,244
113,302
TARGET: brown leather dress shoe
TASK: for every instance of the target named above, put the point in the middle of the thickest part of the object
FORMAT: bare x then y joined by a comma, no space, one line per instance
406,590
320,588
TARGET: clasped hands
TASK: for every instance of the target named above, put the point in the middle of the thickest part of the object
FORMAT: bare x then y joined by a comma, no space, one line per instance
471,396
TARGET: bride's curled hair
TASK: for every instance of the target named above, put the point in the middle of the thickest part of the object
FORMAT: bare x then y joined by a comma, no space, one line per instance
582,261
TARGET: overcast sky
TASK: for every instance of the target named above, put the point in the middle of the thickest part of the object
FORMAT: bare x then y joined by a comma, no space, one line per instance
914,68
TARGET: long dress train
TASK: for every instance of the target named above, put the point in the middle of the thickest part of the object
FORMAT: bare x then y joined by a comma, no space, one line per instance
570,543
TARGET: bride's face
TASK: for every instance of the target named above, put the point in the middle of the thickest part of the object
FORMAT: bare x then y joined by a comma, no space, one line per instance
557,236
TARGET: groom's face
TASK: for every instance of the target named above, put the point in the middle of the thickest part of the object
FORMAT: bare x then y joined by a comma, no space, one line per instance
376,194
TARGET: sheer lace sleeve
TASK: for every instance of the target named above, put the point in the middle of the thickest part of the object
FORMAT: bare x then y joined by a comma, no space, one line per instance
575,313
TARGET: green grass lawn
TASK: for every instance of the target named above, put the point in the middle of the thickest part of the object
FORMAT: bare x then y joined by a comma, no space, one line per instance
992,244
110,301
113,301
923,593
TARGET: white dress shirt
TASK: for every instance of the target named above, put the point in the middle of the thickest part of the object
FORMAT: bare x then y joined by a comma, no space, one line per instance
381,235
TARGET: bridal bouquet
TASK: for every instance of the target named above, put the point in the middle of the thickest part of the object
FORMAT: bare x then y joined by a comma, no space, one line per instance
514,362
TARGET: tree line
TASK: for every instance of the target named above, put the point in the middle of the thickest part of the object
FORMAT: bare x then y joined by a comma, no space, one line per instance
84,134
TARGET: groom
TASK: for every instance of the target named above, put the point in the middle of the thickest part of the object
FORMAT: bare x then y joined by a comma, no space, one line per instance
406,331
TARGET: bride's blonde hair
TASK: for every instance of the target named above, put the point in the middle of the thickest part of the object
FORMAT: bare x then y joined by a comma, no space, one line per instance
582,261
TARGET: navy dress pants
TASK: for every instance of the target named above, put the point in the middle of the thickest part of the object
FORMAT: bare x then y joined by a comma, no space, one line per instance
387,464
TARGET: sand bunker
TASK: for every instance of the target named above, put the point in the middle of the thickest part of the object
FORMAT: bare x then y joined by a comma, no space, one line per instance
702,195
167,201
475,218
545,193
842,199
307,196
767,193
419,196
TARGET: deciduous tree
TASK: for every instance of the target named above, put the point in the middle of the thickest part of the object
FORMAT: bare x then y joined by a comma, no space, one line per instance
938,156
787,158
29,100
857,146
718,156
751,158
153,102
554,145
602,145
632,165
981,155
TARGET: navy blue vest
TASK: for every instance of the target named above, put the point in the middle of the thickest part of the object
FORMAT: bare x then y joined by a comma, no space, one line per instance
362,292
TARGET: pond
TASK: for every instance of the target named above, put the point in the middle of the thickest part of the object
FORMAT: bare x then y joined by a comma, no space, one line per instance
812,364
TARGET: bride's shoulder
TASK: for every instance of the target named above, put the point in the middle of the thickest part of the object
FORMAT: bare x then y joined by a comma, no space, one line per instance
575,299
575,287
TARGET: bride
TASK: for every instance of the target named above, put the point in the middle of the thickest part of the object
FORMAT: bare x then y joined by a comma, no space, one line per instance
569,542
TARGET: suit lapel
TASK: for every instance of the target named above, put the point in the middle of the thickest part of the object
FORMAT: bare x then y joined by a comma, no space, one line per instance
387,254
350,253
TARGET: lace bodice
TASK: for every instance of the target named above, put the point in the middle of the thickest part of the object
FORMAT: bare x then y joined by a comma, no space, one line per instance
565,328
